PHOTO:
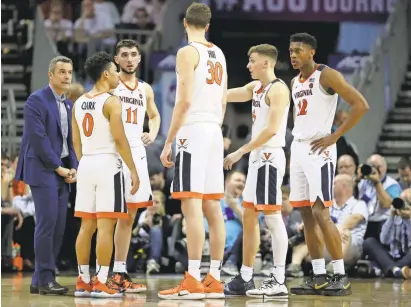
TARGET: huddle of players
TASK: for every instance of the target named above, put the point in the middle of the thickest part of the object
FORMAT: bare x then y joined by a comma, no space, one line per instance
108,120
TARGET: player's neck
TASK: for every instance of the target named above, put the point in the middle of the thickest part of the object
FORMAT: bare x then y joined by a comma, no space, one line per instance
100,88
129,78
270,77
307,69
196,36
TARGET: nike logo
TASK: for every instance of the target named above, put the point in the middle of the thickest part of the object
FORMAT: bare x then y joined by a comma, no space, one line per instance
254,161
209,284
347,286
182,294
143,157
318,287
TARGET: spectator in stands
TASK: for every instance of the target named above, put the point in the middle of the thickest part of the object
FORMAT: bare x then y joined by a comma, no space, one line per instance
404,173
396,235
343,146
346,165
8,215
59,30
108,9
75,91
350,215
93,30
157,12
292,217
377,190
47,5
130,8
7,175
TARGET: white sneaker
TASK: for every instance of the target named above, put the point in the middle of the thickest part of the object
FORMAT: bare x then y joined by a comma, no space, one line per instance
270,289
152,267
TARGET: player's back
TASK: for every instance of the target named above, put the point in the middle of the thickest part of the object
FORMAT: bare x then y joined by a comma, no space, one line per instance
313,106
95,133
134,105
209,84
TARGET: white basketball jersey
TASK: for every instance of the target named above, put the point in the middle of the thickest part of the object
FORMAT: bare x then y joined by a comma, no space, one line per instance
209,81
96,137
314,108
134,104
260,111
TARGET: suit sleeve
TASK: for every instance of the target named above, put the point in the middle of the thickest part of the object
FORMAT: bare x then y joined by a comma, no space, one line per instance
35,127
72,153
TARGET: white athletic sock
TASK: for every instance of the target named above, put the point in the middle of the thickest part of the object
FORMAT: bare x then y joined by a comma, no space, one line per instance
194,269
246,273
318,266
215,269
102,273
279,240
84,273
338,266
97,265
119,267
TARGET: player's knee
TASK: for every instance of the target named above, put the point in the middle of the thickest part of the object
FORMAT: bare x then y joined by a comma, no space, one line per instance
319,211
250,214
88,226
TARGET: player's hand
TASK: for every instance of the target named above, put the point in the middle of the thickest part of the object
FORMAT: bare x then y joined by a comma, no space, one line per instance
165,156
135,182
63,172
72,176
323,143
147,139
232,158
19,219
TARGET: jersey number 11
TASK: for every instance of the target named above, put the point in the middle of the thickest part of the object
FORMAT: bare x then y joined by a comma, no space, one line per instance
131,116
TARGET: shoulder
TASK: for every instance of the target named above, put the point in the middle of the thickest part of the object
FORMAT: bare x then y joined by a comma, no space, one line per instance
328,72
292,82
147,87
253,85
278,86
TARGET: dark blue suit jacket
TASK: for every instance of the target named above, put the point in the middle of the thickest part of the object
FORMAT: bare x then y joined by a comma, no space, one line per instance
42,142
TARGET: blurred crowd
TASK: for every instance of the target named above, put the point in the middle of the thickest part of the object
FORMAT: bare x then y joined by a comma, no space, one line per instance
372,211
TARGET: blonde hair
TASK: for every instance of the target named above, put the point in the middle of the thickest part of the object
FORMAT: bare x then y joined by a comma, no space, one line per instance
264,49
159,194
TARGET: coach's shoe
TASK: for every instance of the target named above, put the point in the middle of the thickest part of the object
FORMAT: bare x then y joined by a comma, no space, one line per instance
53,287
237,286
213,288
340,286
189,289
83,289
313,285
108,289
34,289
270,289
123,280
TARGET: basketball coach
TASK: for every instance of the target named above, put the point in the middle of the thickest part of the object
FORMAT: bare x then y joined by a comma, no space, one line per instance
47,163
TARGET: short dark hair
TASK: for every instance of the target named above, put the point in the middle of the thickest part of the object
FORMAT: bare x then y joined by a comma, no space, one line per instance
265,49
404,163
198,15
127,43
96,64
304,38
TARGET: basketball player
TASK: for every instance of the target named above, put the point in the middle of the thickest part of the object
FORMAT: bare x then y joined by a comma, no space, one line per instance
313,158
262,193
137,98
198,177
98,137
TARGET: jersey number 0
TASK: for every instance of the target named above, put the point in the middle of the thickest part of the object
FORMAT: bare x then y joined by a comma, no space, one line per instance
216,73
88,124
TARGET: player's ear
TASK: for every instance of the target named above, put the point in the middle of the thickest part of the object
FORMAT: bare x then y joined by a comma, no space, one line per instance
312,52
185,23
207,26
116,59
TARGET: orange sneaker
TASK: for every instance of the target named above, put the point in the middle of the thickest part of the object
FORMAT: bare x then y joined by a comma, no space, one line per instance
108,289
189,289
213,288
83,289
124,281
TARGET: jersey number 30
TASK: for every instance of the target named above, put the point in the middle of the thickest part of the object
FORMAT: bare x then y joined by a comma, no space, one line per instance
216,73
302,107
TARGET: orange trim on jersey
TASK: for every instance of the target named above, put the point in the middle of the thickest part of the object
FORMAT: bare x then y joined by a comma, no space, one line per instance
268,207
140,205
89,96
300,203
129,88
247,205
180,195
85,215
112,215
209,44
302,80
216,196
260,90
327,203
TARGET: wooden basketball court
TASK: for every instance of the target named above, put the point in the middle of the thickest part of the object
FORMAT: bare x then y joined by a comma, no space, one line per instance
366,292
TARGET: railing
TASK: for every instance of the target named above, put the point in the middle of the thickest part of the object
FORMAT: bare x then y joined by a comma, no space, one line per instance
8,129
381,77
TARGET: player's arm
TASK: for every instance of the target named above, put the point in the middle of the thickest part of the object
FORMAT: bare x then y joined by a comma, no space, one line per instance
294,110
330,78
224,102
112,110
241,94
279,99
187,59
152,112
76,135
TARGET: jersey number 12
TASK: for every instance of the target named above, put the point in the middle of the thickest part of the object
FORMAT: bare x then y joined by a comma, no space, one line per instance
302,108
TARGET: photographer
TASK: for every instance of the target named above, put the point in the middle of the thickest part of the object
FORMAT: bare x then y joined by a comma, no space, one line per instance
395,257
404,173
377,190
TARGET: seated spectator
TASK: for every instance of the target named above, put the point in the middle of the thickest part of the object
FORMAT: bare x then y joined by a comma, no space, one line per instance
404,173
75,91
393,254
108,9
131,7
157,12
140,22
46,7
346,165
7,176
350,216
292,217
59,30
93,27
377,190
